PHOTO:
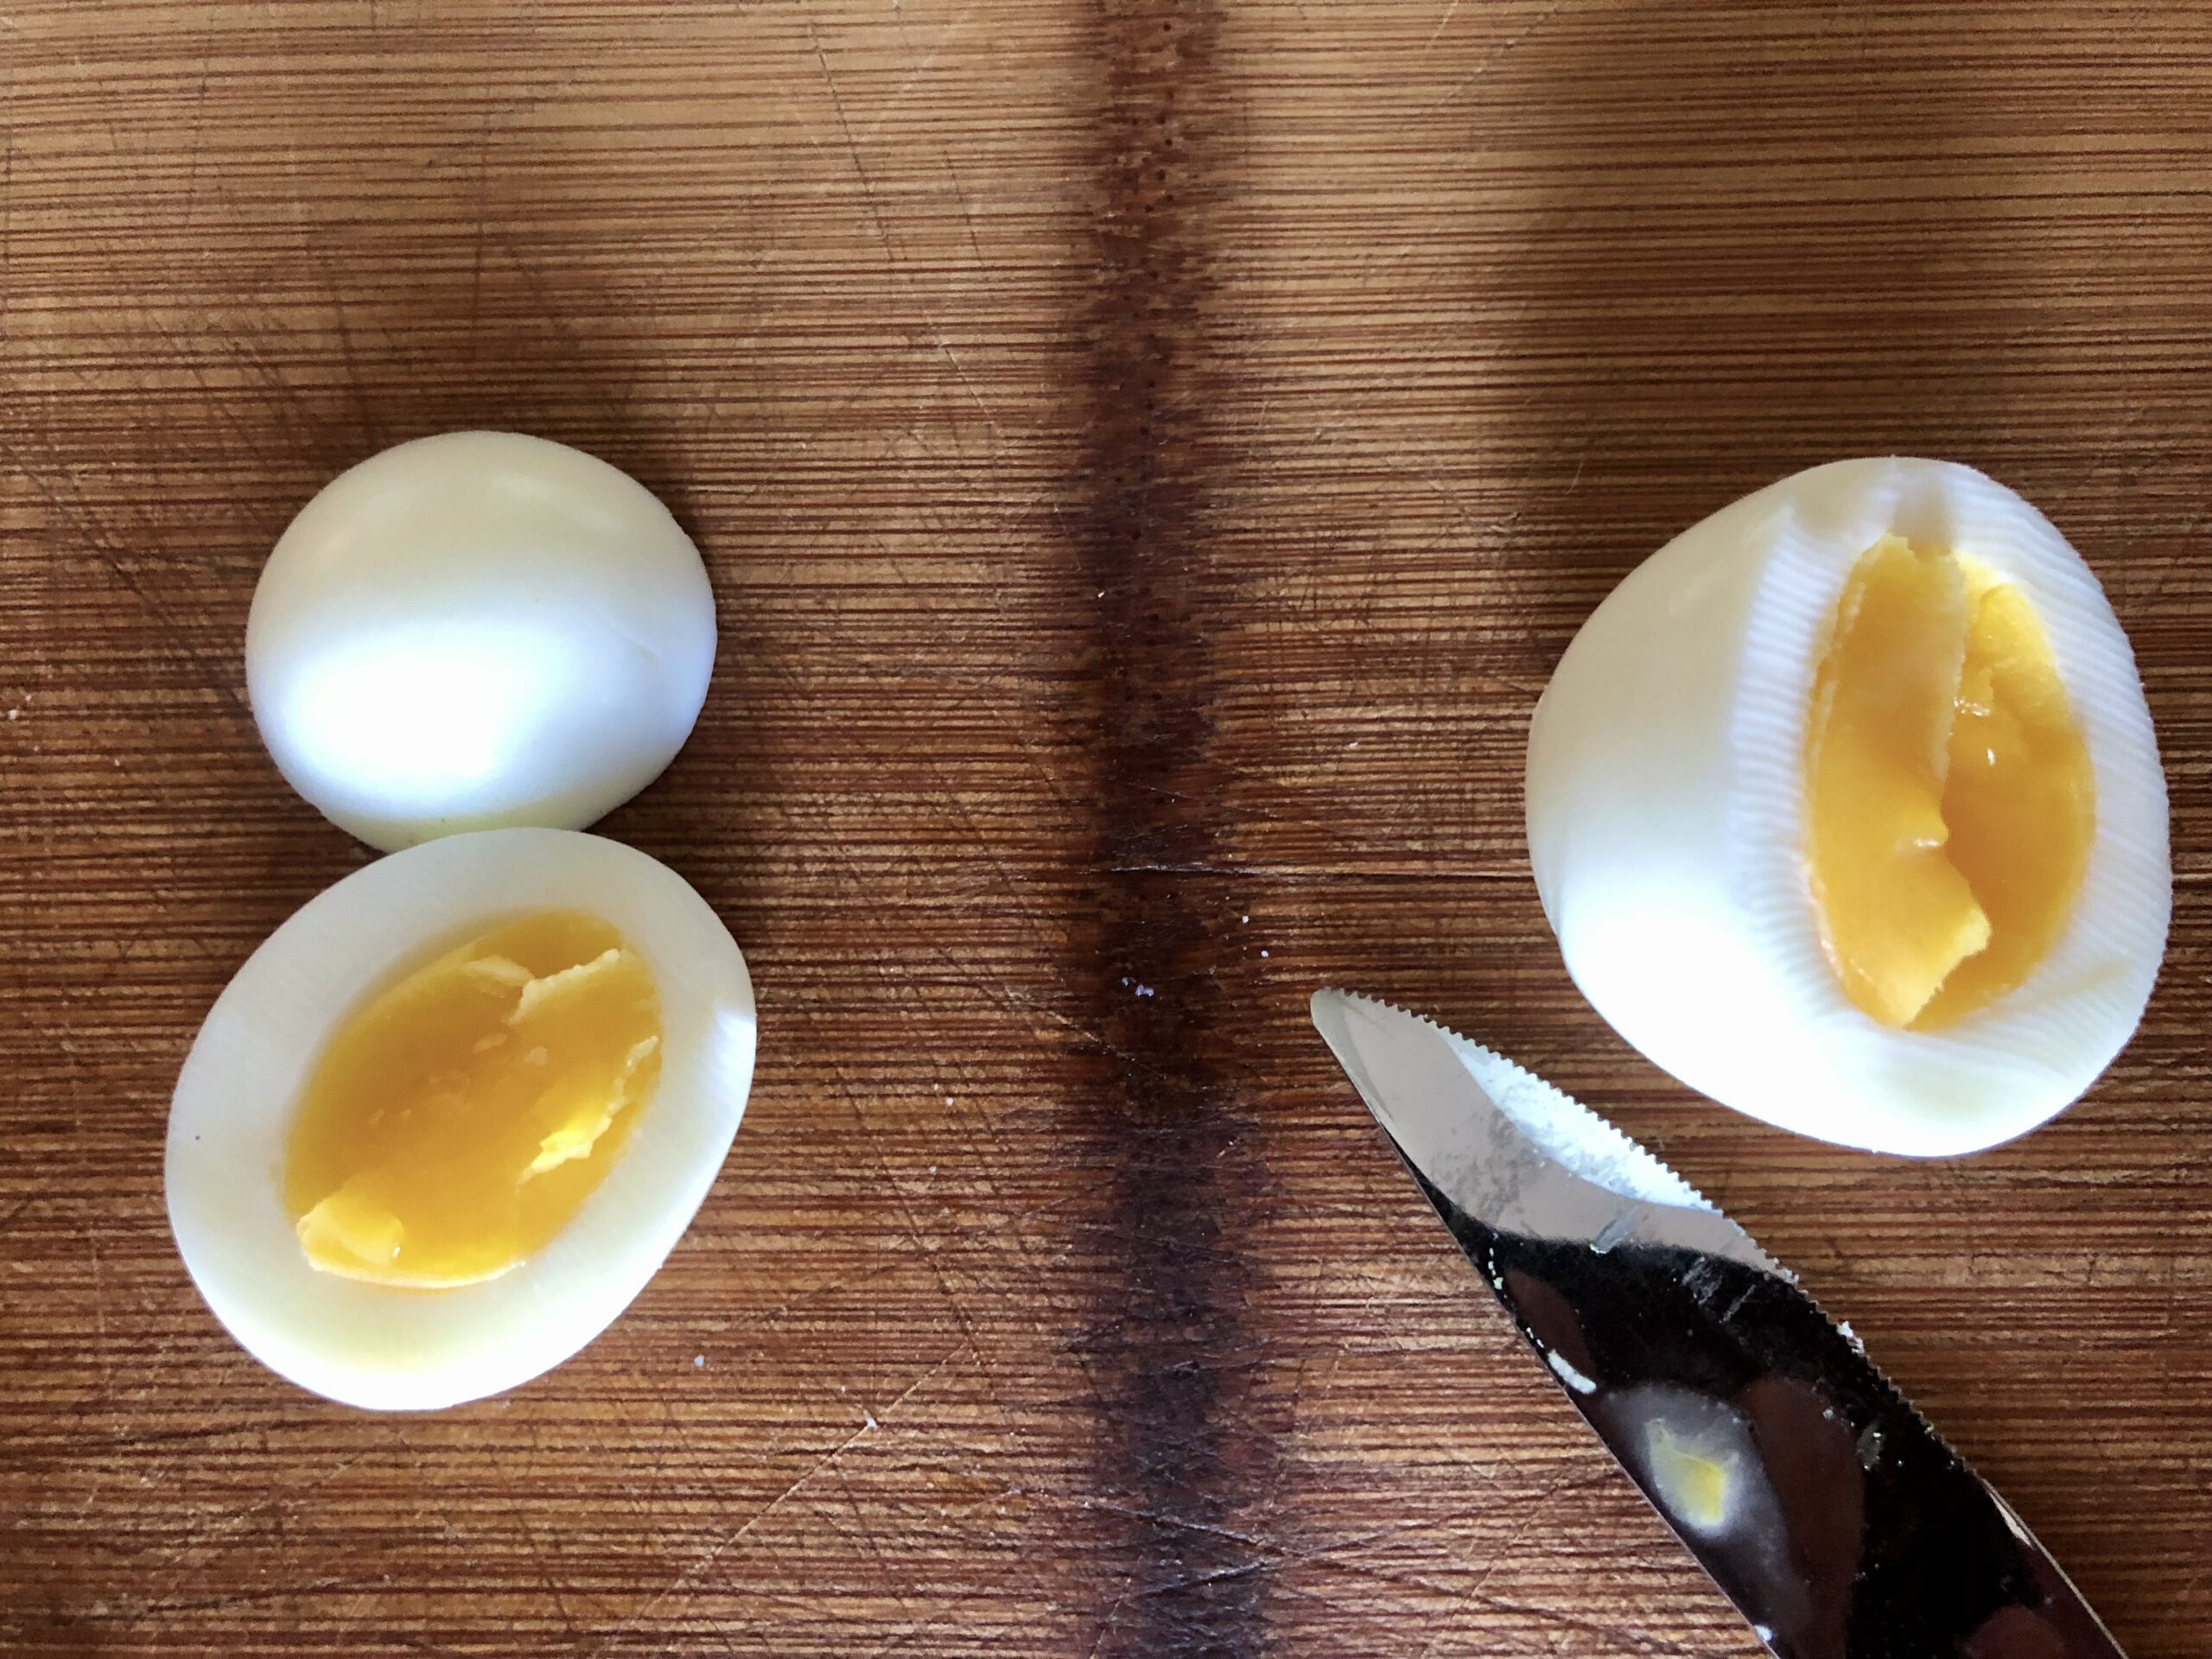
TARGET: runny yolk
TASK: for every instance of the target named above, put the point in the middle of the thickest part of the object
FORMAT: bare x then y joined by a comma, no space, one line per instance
1950,804
458,1118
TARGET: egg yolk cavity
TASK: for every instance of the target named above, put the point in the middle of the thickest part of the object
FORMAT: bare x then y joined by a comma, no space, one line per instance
1950,804
459,1117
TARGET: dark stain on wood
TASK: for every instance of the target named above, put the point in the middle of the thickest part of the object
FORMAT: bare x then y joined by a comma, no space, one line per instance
1179,1459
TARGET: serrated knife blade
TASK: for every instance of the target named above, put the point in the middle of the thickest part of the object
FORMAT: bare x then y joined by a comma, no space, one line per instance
1824,1506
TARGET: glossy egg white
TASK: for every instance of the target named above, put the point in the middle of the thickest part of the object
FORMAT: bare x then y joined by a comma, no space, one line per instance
1666,822
387,1349
475,630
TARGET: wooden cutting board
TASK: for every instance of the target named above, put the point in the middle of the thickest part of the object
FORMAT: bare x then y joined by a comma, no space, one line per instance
1150,457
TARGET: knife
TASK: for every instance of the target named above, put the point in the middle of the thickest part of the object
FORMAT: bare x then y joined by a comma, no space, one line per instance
1823,1506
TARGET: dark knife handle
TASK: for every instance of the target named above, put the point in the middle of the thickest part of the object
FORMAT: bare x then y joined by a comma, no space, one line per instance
1827,1508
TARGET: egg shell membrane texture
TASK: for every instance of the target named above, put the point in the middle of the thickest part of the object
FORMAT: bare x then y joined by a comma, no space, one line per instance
1666,821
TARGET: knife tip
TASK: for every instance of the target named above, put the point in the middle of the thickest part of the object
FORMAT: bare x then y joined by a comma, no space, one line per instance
1329,1007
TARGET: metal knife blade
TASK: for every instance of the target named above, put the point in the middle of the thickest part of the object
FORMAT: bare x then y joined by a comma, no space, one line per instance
1824,1506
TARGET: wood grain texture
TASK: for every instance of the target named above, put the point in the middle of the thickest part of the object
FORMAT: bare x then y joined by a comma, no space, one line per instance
1149,457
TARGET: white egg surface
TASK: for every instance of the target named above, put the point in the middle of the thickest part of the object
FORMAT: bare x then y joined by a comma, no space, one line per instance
1847,808
476,629
337,1275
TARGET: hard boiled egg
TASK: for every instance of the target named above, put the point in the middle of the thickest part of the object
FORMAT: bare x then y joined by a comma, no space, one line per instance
476,629
1847,811
445,1123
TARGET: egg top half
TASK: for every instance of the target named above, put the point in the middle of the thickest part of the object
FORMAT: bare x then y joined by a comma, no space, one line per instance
475,630
1848,810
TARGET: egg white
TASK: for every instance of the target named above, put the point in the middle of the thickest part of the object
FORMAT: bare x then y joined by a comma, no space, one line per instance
387,1349
1666,807
476,629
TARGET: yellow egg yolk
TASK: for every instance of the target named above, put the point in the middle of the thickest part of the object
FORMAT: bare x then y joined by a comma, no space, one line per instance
1950,803
458,1118
1691,1485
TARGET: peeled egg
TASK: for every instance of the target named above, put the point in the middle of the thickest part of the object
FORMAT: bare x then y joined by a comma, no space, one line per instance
1847,811
478,629
442,1128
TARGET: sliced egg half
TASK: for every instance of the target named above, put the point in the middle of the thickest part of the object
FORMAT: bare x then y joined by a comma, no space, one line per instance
1847,808
445,1123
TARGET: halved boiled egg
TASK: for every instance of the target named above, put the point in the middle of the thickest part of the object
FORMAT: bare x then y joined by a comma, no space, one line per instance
445,1123
478,629
1847,808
